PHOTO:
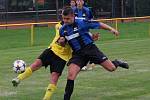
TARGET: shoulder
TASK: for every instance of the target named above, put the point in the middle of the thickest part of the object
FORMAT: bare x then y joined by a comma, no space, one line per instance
79,20
74,8
90,23
63,28
86,8
82,20
58,26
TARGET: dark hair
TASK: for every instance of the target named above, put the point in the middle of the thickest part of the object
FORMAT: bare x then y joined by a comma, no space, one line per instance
67,10
73,0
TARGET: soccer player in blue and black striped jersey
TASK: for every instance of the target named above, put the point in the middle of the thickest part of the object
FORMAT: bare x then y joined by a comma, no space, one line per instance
75,32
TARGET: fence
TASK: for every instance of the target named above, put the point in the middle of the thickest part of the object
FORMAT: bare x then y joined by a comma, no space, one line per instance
113,20
18,10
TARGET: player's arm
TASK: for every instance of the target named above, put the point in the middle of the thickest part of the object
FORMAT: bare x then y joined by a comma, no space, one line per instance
61,40
99,25
107,27
57,27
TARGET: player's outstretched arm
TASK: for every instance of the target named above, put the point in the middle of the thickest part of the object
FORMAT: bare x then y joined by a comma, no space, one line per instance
107,27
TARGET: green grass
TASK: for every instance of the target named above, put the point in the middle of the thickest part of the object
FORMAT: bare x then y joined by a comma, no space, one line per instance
98,84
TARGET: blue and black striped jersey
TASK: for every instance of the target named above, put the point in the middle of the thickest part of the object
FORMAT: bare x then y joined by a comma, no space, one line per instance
77,34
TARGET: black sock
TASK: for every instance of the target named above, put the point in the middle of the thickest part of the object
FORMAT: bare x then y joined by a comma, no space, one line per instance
115,62
69,89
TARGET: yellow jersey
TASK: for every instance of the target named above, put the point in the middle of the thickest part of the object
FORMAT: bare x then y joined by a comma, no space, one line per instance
64,53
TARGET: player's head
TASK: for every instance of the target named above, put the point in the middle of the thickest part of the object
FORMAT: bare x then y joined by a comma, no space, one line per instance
72,3
80,3
68,15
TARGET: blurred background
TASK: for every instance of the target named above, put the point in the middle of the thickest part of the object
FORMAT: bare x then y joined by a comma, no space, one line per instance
15,11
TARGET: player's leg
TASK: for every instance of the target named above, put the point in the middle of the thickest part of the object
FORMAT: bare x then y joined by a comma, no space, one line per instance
56,67
28,72
72,74
108,65
98,57
112,65
52,86
33,67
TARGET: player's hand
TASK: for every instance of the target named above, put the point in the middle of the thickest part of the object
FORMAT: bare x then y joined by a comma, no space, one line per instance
115,32
95,36
61,41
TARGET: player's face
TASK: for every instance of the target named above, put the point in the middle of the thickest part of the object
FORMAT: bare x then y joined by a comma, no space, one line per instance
72,3
80,3
69,19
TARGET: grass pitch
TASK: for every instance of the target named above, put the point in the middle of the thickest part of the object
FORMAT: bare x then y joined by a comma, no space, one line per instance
98,84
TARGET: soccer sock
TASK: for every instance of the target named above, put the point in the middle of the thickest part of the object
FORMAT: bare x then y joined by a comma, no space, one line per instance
115,63
69,89
50,90
26,74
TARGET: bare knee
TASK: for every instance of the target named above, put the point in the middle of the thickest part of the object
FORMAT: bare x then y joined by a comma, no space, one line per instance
54,77
73,71
36,65
71,76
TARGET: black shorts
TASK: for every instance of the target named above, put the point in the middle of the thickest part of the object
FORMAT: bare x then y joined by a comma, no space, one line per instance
89,53
48,57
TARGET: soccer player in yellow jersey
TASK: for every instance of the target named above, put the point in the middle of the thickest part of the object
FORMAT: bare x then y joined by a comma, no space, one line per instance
55,56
